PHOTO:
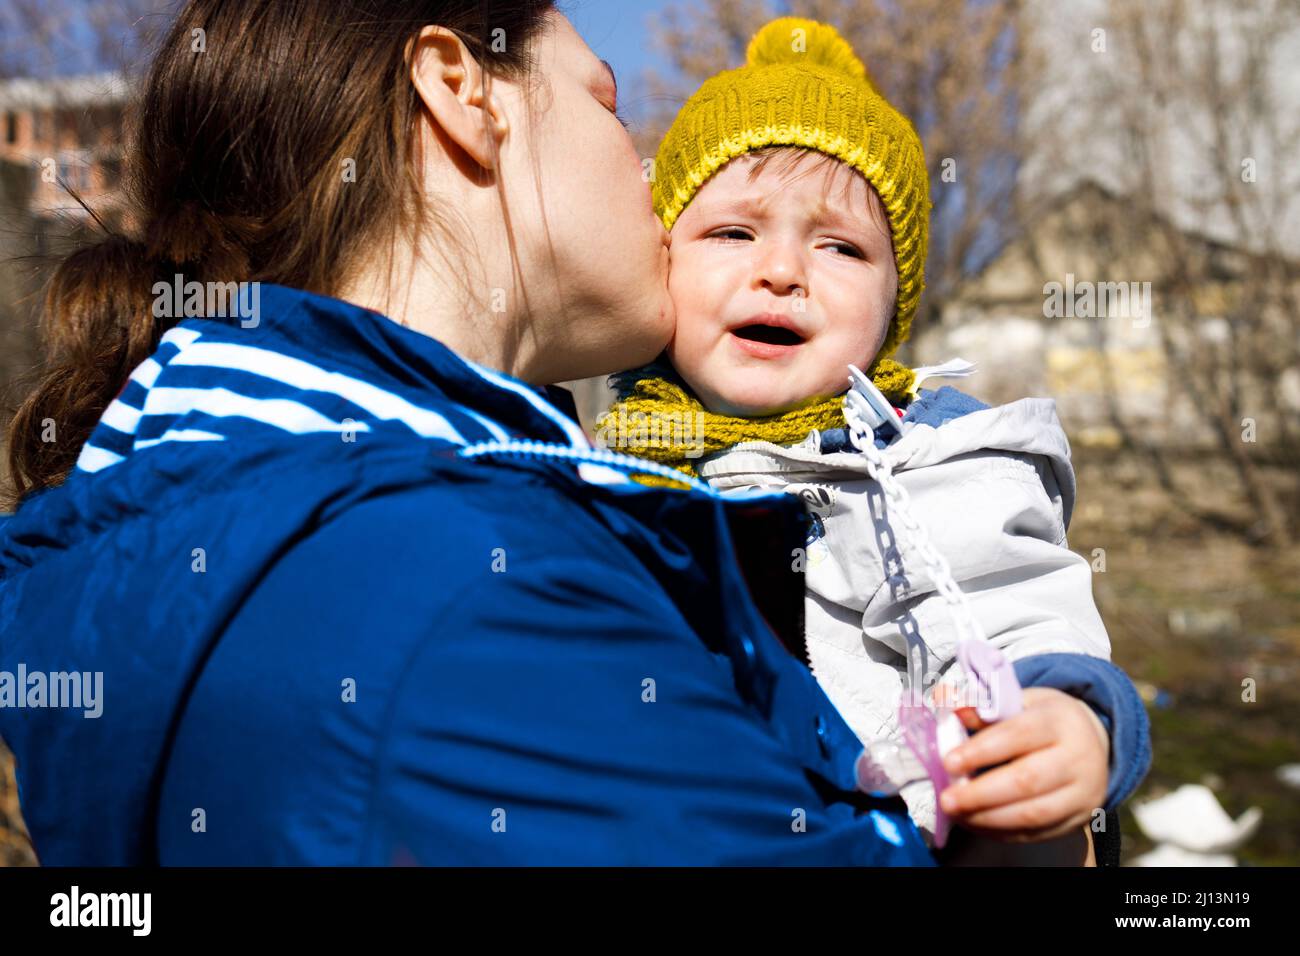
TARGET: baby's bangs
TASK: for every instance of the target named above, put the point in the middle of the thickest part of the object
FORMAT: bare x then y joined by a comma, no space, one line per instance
792,161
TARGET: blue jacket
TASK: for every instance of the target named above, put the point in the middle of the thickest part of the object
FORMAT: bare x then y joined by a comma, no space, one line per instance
355,600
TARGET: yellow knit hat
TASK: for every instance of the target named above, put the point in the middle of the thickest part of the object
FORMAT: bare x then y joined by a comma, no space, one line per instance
803,85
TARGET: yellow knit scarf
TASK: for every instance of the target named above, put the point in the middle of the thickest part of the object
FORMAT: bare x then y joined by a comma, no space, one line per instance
660,420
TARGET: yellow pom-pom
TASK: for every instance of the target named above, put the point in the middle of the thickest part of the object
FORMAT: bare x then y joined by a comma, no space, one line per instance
796,40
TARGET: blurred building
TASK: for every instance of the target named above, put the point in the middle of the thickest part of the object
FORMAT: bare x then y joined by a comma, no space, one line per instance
68,132
1091,310
56,135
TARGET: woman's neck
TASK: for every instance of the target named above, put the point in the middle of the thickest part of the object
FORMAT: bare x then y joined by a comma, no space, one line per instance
439,305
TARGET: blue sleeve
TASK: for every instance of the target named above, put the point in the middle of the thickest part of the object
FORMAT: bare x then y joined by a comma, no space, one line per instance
1108,691
563,713
935,408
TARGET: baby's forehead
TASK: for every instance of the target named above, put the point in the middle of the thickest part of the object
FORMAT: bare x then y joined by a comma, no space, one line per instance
764,180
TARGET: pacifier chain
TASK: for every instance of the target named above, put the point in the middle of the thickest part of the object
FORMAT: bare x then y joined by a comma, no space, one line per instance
885,766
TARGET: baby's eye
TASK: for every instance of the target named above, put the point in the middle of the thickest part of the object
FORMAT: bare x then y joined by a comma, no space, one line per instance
847,249
730,232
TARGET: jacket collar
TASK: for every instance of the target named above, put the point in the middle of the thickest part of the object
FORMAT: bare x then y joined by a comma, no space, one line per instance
1028,426
382,351
302,363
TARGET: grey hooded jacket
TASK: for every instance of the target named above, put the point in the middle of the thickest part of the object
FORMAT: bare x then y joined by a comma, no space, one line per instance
994,489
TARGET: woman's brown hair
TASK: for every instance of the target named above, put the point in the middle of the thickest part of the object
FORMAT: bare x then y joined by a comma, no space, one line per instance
235,173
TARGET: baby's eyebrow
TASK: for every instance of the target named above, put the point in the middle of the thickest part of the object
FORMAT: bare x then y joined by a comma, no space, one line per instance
758,205
838,216
751,205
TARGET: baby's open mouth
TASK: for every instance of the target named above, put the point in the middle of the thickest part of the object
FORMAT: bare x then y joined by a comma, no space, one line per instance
770,334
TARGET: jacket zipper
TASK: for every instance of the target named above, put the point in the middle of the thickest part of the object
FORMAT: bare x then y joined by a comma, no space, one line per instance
595,456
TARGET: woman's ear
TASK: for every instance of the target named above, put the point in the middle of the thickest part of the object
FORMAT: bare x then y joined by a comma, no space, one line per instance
450,82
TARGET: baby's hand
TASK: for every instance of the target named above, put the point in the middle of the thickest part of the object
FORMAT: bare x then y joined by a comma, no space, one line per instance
1055,753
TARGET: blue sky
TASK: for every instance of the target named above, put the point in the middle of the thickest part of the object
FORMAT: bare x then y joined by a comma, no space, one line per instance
615,29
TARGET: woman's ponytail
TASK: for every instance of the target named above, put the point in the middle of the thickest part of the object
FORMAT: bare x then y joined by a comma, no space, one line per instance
97,325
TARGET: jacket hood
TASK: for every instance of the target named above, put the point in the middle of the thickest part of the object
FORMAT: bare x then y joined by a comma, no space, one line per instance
115,585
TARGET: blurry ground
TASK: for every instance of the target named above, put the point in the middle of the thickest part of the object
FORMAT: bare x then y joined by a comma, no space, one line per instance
15,850
1194,613
1191,613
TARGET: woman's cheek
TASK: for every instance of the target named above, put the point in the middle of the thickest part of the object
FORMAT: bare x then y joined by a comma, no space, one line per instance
637,169
623,165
